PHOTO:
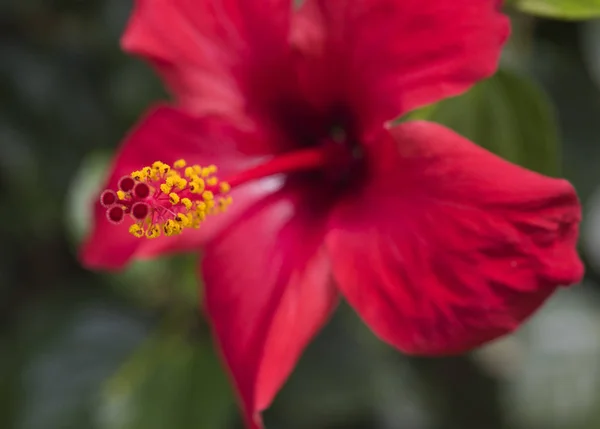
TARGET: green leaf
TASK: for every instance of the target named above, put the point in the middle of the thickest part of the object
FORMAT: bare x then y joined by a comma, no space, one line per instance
559,9
170,382
83,193
64,348
508,115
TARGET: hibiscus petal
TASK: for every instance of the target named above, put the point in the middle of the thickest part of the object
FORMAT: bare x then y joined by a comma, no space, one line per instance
167,134
211,51
388,57
448,246
268,291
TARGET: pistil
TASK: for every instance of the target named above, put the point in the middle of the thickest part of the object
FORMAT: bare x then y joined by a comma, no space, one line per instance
165,199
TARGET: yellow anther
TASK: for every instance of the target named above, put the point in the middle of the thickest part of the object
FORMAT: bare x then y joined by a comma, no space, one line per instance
136,230
208,196
146,171
223,205
201,206
138,175
209,205
212,181
153,231
157,165
212,168
182,219
173,198
187,203
121,195
224,187
165,168
177,228
201,215
180,163
189,172
181,184
205,172
197,186
197,169
172,180
169,227
165,189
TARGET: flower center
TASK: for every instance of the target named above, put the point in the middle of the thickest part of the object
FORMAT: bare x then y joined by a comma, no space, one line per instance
165,199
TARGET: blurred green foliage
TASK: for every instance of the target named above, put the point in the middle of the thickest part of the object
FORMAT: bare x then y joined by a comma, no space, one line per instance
560,9
81,350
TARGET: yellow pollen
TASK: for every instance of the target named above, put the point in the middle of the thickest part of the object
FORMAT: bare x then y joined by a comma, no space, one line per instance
173,198
187,203
180,197
224,187
181,184
189,172
138,175
182,219
136,230
172,180
153,231
170,228
208,196
197,186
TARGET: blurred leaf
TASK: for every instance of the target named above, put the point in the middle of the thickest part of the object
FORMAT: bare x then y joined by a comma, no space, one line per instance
170,382
590,48
67,346
83,192
166,281
560,9
508,115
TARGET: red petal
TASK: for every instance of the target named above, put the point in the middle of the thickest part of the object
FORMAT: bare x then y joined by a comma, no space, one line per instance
449,246
390,57
268,292
166,135
210,50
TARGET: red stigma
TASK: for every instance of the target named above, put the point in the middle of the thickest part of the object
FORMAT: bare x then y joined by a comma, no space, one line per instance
141,190
108,198
115,214
126,183
139,211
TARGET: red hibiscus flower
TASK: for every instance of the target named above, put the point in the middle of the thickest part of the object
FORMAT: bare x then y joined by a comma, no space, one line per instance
438,244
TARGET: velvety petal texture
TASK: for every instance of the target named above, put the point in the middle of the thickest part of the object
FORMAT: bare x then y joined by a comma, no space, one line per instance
268,290
212,52
387,57
167,134
448,246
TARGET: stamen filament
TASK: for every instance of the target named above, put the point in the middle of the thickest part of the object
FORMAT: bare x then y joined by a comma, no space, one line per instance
302,160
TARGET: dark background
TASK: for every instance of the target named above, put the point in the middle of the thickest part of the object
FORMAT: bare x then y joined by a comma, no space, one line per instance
83,350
